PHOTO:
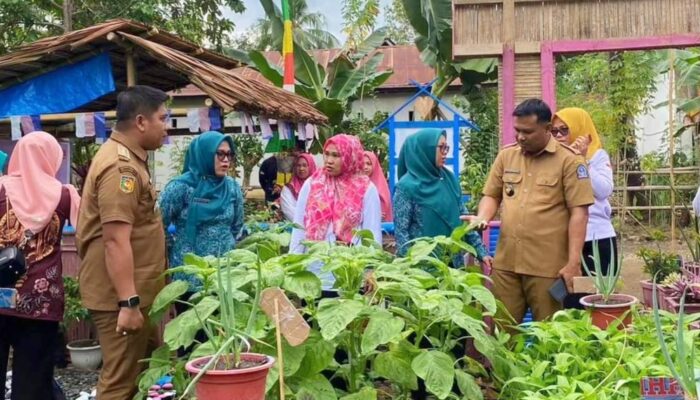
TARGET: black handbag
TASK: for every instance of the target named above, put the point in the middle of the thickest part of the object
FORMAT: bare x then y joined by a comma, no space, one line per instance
12,266
12,262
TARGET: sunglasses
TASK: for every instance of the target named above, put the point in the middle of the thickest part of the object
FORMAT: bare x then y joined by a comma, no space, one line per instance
224,155
444,148
563,131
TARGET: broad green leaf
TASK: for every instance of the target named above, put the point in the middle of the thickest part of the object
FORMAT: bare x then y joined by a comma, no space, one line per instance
332,108
371,42
203,350
397,368
318,356
415,16
422,249
468,386
366,393
485,297
197,261
269,71
180,332
347,82
691,106
435,367
307,70
272,275
334,315
315,387
292,356
305,284
381,329
166,297
475,328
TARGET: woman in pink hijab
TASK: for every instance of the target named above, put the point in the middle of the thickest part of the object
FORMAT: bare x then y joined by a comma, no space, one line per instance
337,200
373,169
34,204
304,167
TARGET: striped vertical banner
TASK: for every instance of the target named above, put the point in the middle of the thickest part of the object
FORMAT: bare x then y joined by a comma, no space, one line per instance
288,48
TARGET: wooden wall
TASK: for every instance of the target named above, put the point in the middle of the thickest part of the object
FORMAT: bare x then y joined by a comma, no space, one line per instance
478,24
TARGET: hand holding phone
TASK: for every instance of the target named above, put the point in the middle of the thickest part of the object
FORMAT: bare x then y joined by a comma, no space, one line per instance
558,290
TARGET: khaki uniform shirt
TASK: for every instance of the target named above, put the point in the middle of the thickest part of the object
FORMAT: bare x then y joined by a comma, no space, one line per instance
536,192
118,189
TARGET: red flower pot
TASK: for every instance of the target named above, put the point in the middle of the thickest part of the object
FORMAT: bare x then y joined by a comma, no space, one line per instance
604,313
235,384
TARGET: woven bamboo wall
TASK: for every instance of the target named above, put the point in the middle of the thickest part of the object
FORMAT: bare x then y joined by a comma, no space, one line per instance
479,22
527,80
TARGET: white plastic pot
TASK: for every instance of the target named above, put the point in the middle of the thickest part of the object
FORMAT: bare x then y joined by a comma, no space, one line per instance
85,354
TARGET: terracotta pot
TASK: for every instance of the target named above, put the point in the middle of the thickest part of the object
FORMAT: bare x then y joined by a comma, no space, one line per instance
237,384
647,293
603,314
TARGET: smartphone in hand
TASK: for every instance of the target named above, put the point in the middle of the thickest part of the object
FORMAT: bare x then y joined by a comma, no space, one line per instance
8,297
558,290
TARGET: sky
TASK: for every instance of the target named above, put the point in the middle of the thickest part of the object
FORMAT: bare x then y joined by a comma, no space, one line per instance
329,8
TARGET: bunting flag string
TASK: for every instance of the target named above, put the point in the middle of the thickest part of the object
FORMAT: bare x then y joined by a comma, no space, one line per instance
265,128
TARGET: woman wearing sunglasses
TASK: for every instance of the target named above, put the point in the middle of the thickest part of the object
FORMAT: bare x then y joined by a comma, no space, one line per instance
428,199
574,127
202,209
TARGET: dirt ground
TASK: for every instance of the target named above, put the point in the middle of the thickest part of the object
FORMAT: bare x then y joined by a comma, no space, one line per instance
632,265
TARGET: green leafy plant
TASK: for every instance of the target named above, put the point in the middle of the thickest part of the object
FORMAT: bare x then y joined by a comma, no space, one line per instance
409,325
74,311
605,284
569,358
686,366
658,263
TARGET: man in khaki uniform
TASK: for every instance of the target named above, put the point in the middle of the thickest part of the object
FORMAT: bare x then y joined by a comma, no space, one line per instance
121,240
545,190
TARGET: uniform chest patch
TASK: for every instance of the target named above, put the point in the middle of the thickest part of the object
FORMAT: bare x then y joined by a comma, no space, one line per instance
127,184
582,172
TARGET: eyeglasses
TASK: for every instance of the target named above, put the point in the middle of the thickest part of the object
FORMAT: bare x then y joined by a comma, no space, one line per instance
563,131
444,148
224,155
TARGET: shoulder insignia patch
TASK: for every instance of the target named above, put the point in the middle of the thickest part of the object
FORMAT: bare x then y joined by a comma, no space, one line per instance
123,153
127,184
582,172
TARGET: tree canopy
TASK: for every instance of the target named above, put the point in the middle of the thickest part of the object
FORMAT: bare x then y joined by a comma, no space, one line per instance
201,21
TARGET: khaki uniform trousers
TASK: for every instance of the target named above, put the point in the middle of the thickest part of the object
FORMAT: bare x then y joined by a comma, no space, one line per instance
518,291
121,355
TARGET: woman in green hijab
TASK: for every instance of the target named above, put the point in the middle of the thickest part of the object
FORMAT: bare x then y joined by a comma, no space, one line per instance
427,200
202,209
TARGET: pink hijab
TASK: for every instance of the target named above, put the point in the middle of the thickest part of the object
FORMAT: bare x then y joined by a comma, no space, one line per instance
31,183
337,200
296,183
377,177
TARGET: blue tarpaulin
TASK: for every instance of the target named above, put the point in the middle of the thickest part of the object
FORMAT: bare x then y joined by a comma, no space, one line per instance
61,90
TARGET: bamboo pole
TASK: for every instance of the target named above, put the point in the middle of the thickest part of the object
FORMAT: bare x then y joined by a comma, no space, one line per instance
671,143
130,68
280,359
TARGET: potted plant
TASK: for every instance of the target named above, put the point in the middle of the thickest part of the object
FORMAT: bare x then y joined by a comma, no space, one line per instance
85,353
659,264
607,306
685,369
230,373
684,287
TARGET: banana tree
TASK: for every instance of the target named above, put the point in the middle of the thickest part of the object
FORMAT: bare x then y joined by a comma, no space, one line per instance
432,21
349,76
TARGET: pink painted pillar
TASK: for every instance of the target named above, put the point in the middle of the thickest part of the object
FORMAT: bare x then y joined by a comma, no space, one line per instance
508,65
548,71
